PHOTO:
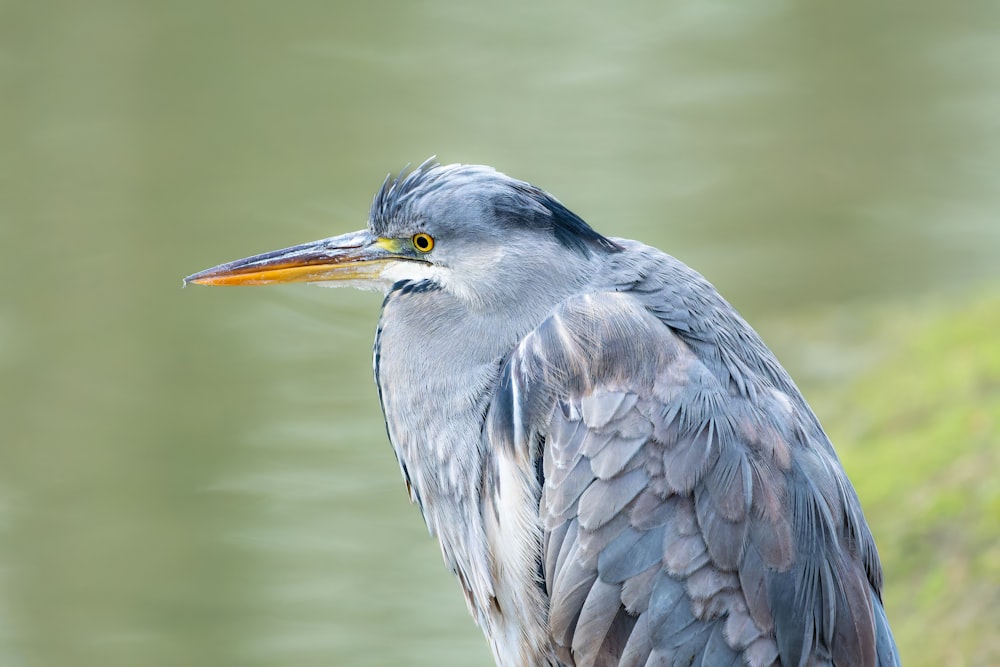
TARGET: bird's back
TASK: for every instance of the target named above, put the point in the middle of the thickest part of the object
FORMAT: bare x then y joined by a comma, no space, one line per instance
691,510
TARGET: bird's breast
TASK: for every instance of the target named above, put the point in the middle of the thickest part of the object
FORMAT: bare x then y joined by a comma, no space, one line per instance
434,395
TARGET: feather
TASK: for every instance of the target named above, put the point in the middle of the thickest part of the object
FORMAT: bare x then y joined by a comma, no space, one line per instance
627,405
753,582
638,646
739,629
596,441
691,516
604,499
668,608
612,460
686,462
572,585
559,555
761,653
596,616
717,652
631,553
724,539
650,510
729,483
709,580
554,541
636,589
599,408
562,492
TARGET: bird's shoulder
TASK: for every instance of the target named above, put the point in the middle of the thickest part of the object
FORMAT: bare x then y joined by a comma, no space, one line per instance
682,514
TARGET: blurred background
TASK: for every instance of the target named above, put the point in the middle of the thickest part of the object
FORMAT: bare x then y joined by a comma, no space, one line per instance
201,476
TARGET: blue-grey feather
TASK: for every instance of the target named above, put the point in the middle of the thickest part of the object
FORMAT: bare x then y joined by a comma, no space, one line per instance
668,607
612,460
572,585
688,644
724,539
559,554
884,641
686,462
596,441
604,499
599,408
596,616
717,652
709,581
639,645
635,590
617,637
754,575
562,493
633,552
685,555
730,484
649,510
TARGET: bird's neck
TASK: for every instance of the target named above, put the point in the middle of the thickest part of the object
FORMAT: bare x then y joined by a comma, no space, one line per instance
438,355
436,367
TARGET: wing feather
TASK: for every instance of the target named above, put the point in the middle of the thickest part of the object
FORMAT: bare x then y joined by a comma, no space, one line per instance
633,552
604,499
689,515
594,624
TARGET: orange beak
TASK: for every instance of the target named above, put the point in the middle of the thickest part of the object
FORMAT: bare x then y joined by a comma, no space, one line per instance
357,257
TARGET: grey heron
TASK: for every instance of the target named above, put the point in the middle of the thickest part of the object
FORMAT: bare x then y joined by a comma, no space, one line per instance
617,468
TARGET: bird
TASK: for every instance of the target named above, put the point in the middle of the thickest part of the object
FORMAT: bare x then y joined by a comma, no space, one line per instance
618,470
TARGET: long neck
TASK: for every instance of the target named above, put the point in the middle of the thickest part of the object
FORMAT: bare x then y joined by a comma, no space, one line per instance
437,359
437,362
435,383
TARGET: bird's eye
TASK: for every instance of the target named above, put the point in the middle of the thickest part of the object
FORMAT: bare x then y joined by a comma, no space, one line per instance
423,242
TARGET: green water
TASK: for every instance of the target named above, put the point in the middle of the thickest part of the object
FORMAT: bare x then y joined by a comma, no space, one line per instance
201,476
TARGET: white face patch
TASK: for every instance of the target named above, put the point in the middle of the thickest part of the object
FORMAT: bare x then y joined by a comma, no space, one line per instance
413,271
418,271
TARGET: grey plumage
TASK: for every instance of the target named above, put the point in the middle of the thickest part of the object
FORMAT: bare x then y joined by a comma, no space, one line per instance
617,468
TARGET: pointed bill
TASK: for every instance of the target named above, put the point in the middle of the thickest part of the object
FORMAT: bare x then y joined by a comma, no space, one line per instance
358,257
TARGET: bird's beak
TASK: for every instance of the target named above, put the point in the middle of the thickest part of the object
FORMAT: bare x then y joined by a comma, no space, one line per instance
358,257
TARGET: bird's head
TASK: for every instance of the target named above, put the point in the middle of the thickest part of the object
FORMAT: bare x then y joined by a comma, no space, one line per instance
469,230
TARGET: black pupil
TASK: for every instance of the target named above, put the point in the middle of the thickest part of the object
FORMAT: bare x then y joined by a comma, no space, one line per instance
422,242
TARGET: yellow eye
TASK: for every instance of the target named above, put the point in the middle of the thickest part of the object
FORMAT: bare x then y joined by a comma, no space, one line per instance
423,242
